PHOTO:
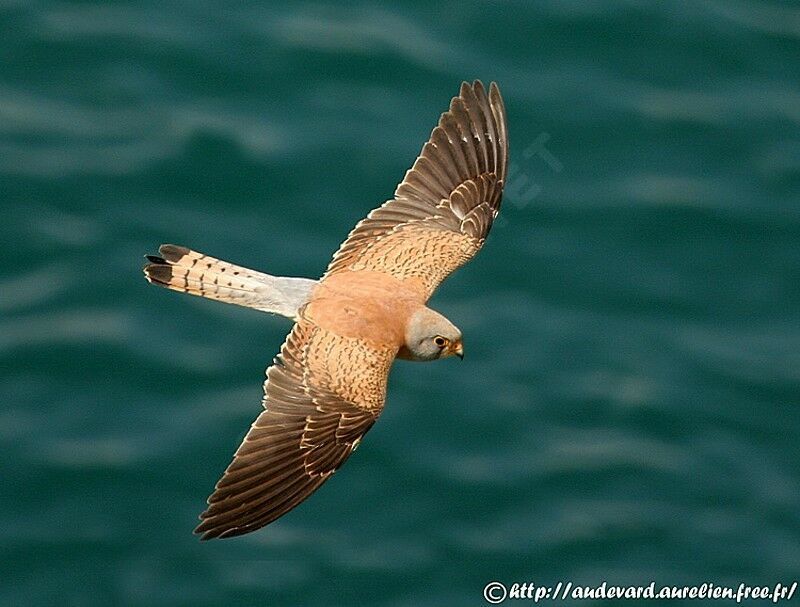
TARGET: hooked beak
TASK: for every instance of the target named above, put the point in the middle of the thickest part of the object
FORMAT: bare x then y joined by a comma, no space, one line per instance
458,349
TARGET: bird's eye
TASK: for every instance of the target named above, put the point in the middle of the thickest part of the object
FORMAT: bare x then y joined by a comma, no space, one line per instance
440,341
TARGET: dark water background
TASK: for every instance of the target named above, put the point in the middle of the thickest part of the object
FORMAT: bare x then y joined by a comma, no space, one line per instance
628,407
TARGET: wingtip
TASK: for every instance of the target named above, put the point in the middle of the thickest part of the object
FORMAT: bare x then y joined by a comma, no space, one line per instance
470,87
205,536
476,87
211,533
206,528
499,106
203,531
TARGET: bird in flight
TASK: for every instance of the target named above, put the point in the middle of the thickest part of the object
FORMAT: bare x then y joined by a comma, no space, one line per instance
327,386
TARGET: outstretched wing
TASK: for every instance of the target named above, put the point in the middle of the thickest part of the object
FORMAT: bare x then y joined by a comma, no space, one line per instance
445,206
322,395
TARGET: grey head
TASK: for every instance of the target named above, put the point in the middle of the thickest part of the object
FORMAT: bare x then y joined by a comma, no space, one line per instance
430,336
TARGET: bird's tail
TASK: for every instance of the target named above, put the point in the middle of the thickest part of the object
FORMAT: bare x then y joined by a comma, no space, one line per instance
182,269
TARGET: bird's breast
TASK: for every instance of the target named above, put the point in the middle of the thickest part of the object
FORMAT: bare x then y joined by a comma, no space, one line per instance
363,305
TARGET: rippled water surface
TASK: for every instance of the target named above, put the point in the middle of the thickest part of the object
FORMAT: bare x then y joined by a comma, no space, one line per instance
628,407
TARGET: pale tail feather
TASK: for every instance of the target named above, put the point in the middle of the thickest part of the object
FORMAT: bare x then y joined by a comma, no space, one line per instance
182,269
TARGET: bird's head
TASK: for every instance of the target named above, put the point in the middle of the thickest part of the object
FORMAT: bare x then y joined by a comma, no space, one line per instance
429,336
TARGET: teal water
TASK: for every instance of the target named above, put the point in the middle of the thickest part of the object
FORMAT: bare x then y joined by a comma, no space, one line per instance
628,406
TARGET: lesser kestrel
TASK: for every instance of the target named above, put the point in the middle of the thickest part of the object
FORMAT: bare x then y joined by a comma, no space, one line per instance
328,384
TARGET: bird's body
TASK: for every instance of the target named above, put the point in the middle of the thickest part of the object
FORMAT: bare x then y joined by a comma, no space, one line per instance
352,304
328,384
